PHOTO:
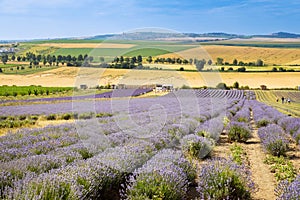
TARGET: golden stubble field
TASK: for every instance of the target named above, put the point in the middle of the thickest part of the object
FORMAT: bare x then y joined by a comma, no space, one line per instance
270,56
71,76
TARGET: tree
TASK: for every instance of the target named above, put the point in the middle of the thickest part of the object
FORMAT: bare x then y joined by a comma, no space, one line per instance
200,64
117,59
121,59
274,69
241,63
1,70
149,59
181,69
4,58
241,69
139,59
68,58
235,62
18,58
13,57
220,61
259,62
209,62
178,61
222,86
236,85
59,58
39,58
80,57
102,59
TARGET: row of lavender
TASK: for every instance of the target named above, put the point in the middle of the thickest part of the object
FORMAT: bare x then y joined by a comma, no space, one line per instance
96,157
276,132
114,105
112,94
146,140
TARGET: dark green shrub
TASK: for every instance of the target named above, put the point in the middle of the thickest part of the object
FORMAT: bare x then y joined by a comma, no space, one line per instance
51,117
238,132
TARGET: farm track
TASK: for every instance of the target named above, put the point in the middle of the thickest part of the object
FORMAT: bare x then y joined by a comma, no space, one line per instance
262,177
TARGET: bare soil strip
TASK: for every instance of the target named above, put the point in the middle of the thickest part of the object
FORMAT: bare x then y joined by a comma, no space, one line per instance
263,178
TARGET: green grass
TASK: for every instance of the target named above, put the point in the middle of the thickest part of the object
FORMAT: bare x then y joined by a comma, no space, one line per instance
90,51
269,97
23,90
112,52
145,52
4,66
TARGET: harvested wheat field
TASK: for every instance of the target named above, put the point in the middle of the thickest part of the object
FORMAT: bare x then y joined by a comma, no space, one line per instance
71,76
279,56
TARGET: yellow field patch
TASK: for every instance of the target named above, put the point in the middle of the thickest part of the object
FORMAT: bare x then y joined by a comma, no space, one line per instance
281,56
88,45
72,76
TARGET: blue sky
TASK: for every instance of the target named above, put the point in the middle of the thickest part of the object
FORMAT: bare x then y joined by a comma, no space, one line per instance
27,19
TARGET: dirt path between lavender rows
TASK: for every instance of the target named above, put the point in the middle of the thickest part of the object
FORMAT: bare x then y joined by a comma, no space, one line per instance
261,175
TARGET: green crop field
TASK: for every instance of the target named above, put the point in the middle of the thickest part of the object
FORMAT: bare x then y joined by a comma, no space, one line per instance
90,51
146,52
112,52
27,90
269,97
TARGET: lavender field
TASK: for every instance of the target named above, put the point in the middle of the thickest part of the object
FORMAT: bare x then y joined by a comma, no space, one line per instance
150,148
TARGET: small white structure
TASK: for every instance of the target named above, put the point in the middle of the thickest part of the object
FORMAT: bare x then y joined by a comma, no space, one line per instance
164,88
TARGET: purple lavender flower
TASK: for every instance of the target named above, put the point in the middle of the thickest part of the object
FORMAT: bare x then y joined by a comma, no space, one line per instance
224,179
273,139
288,190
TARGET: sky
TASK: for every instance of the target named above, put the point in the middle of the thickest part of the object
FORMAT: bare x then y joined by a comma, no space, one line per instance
42,19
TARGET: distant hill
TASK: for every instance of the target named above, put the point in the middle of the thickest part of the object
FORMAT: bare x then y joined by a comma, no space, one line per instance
163,35
157,35
280,35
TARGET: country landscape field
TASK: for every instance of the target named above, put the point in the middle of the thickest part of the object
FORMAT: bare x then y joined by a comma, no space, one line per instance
94,107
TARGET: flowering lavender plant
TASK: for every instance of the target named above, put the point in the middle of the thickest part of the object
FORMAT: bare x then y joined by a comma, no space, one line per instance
288,190
238,131
224,179
165,176
196,146
273,139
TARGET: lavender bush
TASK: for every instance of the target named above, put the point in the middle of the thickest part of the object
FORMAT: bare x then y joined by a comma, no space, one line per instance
224,179
288,190
196,146
273,139
165,176
238,131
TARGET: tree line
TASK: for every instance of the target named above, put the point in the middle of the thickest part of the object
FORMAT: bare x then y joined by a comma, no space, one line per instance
235,62
50,59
